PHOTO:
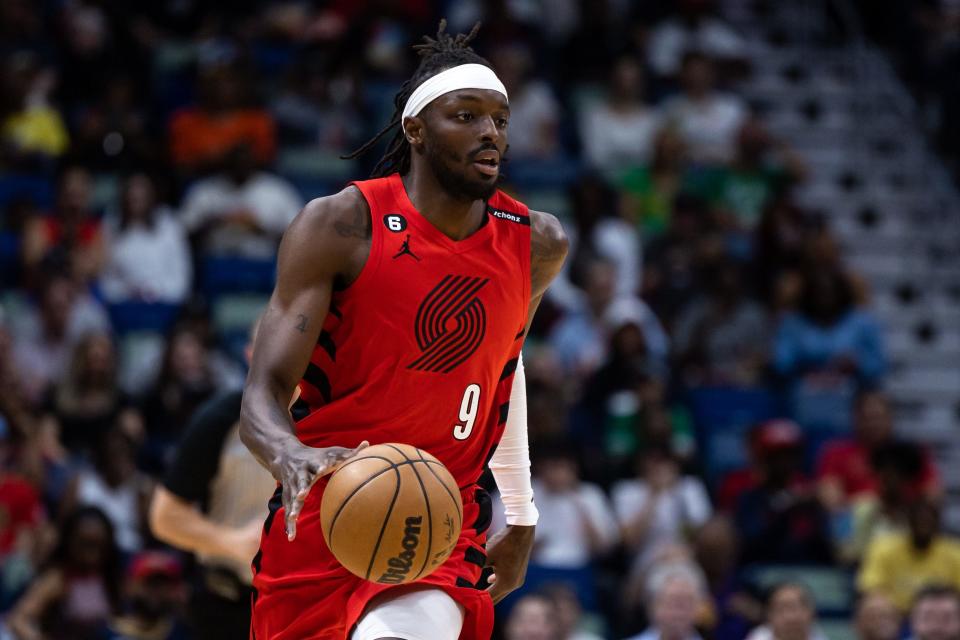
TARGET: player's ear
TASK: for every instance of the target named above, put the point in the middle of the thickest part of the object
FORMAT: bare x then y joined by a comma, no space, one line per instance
413,130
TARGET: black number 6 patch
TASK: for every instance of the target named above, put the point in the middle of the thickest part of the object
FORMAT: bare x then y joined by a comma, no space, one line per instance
395,222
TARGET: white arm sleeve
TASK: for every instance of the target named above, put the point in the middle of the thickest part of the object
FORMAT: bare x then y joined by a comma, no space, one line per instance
510,463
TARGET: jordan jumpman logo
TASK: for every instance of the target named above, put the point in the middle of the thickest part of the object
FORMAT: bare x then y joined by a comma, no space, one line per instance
405,250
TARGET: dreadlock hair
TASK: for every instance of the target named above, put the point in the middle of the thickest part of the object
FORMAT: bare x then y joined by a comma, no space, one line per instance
436,54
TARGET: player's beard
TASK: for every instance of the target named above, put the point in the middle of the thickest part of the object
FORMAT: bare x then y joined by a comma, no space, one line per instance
442,160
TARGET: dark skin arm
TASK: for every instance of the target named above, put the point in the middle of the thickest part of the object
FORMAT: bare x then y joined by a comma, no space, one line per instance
326,245
508,552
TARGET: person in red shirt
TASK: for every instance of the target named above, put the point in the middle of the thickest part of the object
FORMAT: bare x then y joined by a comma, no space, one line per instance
844,472
400,308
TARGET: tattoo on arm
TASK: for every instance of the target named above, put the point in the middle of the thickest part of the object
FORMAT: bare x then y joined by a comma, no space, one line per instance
301,322
356,227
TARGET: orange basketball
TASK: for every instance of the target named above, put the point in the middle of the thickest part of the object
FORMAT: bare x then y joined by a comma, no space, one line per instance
391,514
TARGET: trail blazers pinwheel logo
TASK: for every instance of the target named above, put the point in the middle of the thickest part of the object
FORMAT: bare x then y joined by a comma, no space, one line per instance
450,324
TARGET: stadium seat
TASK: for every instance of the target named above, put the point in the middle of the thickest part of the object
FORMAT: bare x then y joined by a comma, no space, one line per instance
37,188
723,416
127,317
222,275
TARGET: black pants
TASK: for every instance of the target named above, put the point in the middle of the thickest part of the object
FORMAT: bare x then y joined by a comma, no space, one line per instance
215,617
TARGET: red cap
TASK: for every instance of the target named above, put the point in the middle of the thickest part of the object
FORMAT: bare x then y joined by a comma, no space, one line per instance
777,434
154,563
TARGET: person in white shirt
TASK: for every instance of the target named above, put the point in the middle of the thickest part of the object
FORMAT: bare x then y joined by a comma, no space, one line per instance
693,29
660,505
534,111
618,131
576,522
707,120
148,252
241,212
675,596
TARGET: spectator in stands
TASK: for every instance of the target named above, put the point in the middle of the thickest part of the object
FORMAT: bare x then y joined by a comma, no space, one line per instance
829,341
696,28
844,469
737,607
113,128
673,261
618,132
569,613
762,168
600,230
240,212
779,517
320,107
648,192
153,598
72,232
897,466
763,442
621,409
32,132
577,338
44,336
708,120
88,402
534,111
877,618
224,118
185,382
674,599
660,505
148,253
79,590
533,617
778,251
900,565
936,614
722,337
791,615
115,486
576,522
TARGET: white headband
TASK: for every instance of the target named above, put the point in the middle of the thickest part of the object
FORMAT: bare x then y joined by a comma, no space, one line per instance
465,76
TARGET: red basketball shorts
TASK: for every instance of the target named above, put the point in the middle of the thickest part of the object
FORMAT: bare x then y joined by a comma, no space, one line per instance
301,592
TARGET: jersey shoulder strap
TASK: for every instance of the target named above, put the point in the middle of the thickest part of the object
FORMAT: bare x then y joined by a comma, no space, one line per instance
503,207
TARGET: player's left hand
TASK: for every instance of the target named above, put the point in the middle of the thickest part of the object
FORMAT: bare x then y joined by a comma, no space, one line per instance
508,553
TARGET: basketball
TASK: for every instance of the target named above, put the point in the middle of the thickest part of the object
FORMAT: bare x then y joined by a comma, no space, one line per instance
391,514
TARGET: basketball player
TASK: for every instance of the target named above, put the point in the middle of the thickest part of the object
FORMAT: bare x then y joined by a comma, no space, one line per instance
400,308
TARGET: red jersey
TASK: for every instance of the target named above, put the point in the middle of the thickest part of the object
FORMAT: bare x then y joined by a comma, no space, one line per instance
421,347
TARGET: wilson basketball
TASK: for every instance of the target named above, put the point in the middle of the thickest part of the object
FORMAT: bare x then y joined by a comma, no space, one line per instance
391,514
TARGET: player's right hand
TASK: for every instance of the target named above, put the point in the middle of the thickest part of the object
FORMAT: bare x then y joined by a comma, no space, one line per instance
299,468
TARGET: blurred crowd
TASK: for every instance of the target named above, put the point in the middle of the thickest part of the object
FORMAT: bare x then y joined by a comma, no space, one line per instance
924,38
710,435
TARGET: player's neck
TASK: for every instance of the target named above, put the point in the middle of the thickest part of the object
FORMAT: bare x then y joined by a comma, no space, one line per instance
454,217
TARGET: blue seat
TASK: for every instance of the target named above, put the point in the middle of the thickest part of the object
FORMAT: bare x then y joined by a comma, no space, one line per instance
722,417
38,189
220,275
9,258
128,317
581,581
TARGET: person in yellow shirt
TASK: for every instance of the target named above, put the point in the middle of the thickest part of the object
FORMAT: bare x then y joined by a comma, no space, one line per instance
901,564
